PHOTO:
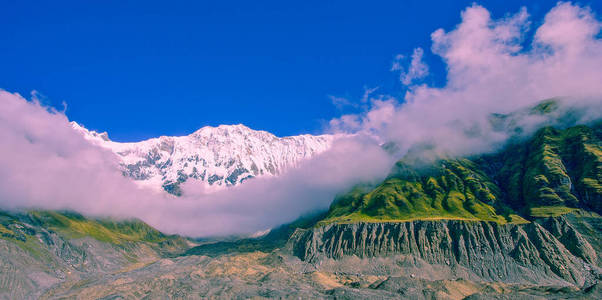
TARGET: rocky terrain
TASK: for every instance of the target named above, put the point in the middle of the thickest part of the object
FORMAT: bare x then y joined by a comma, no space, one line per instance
552,252
41,249
61,255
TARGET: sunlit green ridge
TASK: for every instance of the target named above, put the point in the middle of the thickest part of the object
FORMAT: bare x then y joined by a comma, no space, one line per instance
554,172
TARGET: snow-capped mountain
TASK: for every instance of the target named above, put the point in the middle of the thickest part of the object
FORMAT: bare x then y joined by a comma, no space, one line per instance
220,156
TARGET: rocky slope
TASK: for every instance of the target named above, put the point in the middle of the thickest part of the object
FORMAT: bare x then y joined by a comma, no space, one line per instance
219,156
49,255
525,215
553,252
39,250
548,259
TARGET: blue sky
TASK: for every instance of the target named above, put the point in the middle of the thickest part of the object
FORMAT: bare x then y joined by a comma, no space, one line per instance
144,69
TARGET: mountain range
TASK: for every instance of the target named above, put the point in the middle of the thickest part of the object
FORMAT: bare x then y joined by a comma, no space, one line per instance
523,222
217,157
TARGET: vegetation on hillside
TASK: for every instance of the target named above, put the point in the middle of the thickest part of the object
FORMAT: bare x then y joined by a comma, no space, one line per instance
553,173
73,225
449,189
555,169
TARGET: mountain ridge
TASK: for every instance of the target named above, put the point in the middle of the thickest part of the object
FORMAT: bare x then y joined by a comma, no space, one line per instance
553,172
221,156
441,231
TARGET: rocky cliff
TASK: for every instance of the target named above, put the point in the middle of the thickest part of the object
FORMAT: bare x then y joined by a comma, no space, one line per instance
51,255
528,214
550,251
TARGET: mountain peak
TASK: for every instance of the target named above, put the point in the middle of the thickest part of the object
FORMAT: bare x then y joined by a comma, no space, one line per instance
227,130
225,127
220,156
90,133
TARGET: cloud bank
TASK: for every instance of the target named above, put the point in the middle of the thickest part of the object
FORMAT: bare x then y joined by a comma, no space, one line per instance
490,70
45,164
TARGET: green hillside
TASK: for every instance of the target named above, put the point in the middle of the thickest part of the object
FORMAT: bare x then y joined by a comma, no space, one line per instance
106,230
73,225
556,168
554,172
449,189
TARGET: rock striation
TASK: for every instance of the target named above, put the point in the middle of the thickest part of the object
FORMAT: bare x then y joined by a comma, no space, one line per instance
552,251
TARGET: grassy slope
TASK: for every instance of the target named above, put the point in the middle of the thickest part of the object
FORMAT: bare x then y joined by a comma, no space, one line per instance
23,230
555,172
72,225
449,189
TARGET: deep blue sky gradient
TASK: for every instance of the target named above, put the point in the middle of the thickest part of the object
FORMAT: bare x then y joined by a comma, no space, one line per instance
148,68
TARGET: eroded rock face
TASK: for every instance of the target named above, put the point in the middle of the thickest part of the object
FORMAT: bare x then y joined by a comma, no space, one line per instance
494,252
568,235
36,259
550,258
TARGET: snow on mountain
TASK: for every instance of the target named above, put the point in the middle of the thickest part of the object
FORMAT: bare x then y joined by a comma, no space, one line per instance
219,156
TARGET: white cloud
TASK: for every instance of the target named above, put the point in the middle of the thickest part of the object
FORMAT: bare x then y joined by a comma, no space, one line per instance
368,92
416,70
489,71
341,102
44,163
